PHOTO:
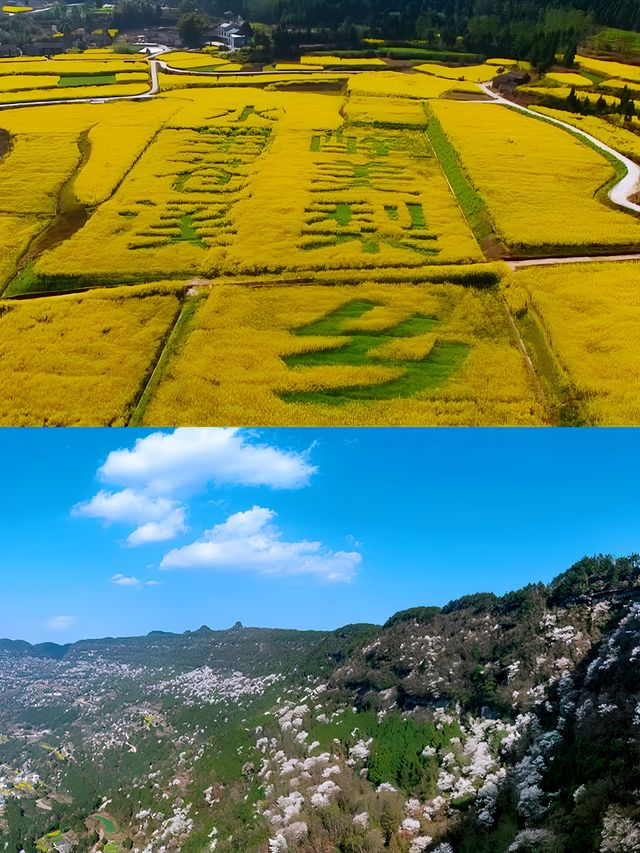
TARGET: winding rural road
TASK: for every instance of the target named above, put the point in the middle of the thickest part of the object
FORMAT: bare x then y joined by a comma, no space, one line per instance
619,194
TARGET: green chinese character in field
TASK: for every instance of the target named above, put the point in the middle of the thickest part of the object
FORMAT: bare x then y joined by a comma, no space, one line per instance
430,365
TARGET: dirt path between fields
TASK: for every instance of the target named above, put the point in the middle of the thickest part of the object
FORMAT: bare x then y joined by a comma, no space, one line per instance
579,259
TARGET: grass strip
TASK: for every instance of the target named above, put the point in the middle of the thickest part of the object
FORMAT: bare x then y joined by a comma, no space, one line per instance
567,407
177,337
472,204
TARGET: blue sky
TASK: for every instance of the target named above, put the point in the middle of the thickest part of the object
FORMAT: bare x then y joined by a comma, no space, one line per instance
118,532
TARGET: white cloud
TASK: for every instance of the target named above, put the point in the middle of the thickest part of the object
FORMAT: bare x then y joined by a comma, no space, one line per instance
132,581
159,531
122,580
187,459
61,623
148,478
249,542
126,505
158,518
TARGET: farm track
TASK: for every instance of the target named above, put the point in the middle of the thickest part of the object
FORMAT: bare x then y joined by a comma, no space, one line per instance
577,259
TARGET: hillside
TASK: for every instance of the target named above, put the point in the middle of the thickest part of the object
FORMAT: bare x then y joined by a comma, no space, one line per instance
491,724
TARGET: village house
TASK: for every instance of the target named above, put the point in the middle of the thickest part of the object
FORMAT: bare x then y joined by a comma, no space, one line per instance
230,33
510,81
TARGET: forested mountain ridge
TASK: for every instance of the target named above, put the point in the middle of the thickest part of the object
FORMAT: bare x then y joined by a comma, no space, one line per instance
505,723
526,29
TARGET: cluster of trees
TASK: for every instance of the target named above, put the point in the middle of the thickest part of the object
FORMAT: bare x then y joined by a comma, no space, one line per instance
492,27
625,107
136,13
597,574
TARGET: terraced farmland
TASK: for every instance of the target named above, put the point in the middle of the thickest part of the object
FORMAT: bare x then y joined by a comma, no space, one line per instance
273,206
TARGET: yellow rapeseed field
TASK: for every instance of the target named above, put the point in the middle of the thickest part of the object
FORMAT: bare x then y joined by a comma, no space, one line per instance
166,217
16,232
538,181
384,110
342,62
100,53
559,94
568,78
591,315
34,170
616,85
353,198
80,360
132,76
296,66
70,64
85,92
60,119
368,354
610,69
421,86
616,137
133,125
171,82
19,82
470,73
184,59
241,183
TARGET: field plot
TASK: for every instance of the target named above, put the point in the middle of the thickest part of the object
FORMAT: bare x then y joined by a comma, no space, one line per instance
420,86
619,138
470,73
539,183
606,68
33,171
365,354
72,76
559,94
383,111
173,212
80,359
266,182
276,80
352,197
188,60
568,78
591,317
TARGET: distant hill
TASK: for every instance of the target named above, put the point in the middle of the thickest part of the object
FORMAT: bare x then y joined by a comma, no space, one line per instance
494,724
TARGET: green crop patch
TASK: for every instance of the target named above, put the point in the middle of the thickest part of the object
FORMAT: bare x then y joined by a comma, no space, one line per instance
87,80
432,368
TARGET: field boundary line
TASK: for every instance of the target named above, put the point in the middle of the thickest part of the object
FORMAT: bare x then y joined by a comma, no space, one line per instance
186,313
